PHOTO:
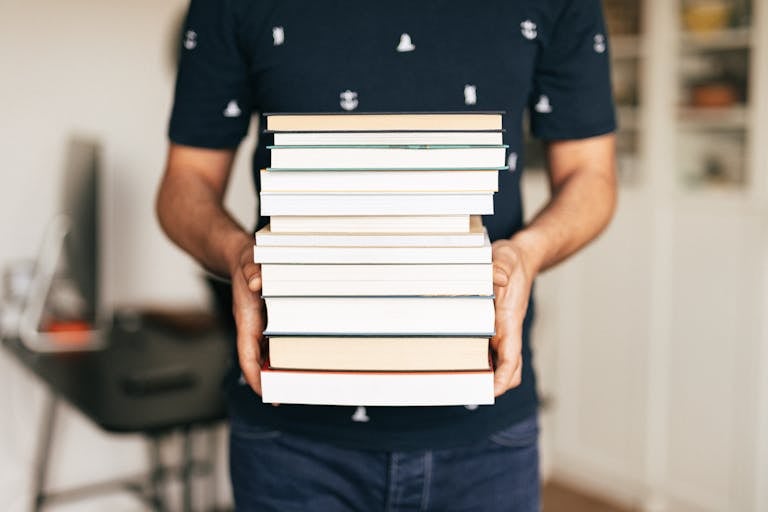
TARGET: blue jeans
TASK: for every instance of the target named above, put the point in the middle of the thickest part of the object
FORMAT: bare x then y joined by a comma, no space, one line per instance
276,471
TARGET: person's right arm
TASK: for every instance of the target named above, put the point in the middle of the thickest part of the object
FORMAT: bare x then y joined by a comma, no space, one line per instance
190,208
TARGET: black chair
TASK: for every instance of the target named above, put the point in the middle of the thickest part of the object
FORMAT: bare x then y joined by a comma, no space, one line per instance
158,376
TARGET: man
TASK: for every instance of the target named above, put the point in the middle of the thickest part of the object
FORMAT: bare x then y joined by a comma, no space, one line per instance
245,56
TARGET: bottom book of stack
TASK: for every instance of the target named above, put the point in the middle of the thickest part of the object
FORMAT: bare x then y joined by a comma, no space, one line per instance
392,371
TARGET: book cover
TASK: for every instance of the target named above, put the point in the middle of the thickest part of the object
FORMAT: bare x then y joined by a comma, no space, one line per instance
379,181
376,388
383,121
388,157
379,354
359,203
393,316
474,238
365,138
352,224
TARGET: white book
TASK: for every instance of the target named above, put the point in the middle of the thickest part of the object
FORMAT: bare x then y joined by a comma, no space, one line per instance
369,224
329,203
372,354
475,237
368,255
379,181
380,316
376,280
377,389
388,138
388,157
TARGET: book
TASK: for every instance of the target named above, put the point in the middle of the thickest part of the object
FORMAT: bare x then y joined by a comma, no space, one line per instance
379,181
388,157
368,255
369,224
395,316
484,138
376,388
378,354
473,238
363,203
393,121
376,280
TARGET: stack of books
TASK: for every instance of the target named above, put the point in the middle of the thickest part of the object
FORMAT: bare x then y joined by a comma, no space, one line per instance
376,268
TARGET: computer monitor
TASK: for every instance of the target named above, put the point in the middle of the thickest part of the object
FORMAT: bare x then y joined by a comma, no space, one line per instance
69,255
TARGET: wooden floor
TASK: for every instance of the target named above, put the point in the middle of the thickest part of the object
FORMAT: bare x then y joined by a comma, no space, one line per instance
559,498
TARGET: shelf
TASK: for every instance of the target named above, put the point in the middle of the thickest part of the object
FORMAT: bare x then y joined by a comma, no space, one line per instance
628,118
727,39
728,118
626,47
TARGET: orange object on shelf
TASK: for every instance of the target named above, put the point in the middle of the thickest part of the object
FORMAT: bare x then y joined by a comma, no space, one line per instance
714,96
69,332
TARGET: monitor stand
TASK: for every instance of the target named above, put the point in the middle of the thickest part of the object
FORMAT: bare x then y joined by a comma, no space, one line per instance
34,308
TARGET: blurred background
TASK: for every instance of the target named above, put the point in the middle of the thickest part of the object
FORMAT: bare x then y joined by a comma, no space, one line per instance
652,344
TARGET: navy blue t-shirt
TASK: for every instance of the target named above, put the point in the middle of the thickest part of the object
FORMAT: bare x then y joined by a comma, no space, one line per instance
548,58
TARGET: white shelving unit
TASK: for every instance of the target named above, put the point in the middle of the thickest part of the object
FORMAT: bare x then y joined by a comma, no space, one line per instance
653,342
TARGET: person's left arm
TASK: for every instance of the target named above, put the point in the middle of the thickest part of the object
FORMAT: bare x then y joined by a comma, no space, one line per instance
583,198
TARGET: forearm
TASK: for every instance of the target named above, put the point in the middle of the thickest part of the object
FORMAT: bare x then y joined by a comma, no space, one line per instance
581,206
192,215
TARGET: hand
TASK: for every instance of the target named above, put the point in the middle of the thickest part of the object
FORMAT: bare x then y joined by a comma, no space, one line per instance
512,280
248,310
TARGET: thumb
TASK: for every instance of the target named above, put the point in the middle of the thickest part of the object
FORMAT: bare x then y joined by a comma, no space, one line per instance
500,278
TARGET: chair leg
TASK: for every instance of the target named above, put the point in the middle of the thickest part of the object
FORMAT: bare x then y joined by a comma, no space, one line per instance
212,437
42,457
187,467
156,475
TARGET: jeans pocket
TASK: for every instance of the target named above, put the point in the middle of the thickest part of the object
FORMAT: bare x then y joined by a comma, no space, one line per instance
518,435
251,432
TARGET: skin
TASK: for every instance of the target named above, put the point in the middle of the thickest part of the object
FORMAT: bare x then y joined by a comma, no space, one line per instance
583,198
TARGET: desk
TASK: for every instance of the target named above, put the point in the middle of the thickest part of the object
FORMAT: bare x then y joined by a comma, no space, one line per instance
150,380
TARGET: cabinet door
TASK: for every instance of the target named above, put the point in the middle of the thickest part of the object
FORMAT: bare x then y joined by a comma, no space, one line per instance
714,341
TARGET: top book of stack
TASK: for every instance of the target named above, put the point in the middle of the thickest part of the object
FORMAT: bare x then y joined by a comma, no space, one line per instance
384,122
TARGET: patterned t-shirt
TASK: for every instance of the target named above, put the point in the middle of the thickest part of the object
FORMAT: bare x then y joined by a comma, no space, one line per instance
545,58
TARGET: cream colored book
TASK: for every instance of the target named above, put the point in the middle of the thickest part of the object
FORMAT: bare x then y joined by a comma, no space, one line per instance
395,121
378,354
474,238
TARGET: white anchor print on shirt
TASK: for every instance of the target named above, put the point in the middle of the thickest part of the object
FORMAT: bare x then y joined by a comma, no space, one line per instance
190,40
405,44
232,110
470,94
512,162
361,415
599,45
529,30
278,36
348,100
543,106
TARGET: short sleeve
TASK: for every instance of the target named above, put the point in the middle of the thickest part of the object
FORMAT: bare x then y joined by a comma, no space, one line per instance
571,95
212,103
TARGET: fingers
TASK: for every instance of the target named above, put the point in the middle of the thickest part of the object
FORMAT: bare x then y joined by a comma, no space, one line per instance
252,274
507,346
508,374
500,276
250,360
247,309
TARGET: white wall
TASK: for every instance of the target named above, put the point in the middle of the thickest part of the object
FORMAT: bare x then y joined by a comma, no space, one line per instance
105,69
